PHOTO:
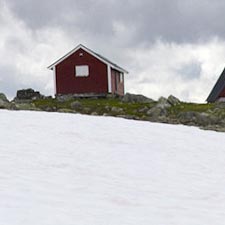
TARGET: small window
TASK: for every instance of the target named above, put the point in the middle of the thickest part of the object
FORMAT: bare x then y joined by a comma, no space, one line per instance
81,71
121,77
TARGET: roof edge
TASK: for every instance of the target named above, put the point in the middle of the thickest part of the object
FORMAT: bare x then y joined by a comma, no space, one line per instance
114,66
217,88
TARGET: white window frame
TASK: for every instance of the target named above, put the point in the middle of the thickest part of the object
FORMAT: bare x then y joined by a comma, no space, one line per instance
82,71
121,77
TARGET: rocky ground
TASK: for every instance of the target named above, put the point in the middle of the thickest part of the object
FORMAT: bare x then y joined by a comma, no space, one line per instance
165,110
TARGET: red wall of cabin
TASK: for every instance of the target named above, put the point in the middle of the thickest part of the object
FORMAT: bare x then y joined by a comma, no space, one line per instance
117,86
68,83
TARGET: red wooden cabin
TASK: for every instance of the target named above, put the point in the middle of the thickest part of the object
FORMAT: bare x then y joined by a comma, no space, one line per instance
83,71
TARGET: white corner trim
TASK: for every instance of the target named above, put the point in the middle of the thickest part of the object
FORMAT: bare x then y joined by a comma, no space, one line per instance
109,79
54,79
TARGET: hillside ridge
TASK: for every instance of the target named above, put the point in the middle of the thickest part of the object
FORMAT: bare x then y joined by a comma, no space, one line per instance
131,106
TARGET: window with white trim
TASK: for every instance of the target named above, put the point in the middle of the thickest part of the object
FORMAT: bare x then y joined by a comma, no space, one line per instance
81,71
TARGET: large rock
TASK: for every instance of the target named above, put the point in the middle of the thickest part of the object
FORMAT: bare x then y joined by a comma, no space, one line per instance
76,105
203,119
28,94
188,117
116,109
163,103
132,98
143,110
160,109
4,102
64,98
24,106
156,112
3,97
197,118
173,100
214,127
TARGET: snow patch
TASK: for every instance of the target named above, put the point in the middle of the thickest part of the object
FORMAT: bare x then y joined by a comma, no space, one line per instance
76,169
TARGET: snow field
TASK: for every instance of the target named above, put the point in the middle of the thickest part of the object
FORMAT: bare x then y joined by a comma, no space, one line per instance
73,169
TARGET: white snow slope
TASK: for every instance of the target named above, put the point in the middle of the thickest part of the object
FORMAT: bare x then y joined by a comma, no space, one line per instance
67,169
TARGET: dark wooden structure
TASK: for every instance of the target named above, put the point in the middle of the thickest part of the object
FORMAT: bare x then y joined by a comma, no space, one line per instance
218,91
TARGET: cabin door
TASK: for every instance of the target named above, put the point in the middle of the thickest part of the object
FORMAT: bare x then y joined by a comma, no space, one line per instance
116,82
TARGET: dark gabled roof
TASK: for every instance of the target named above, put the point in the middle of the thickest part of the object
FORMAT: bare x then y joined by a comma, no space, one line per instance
100,57
217,89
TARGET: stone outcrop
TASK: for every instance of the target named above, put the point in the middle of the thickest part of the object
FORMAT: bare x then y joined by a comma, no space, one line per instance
76,105
173,100
138,107
28,94
116,109
132,98
160,110
4,102
3,97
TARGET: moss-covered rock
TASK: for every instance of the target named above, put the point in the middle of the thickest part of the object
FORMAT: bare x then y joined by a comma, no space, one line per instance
132,98
4,102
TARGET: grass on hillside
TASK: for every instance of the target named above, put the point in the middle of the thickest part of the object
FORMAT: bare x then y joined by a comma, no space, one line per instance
100,106
193,107
104,105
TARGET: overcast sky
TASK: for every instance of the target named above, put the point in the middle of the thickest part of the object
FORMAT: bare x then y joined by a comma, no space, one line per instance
168,46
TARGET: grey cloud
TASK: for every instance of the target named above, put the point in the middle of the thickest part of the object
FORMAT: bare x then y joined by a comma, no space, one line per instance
190,71
9,81
120,30
174,20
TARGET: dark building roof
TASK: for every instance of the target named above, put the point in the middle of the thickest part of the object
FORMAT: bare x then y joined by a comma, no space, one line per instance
217,89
